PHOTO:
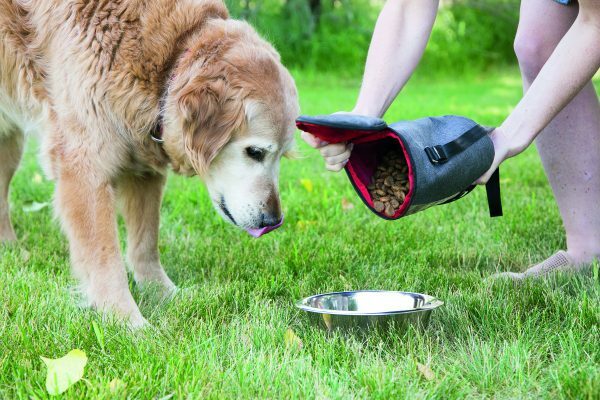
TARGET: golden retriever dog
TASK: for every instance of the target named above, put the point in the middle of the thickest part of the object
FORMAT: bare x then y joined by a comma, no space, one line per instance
122,90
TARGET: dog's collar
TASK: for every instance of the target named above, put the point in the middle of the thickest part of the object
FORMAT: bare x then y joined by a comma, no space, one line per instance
157,133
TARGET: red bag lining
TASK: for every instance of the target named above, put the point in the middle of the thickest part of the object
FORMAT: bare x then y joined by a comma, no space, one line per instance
331,134
368,145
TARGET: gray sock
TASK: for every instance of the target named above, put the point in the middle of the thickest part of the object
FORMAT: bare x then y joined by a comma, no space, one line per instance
560,261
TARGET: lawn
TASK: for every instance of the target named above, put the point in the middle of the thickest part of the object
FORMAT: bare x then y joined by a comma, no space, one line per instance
222,336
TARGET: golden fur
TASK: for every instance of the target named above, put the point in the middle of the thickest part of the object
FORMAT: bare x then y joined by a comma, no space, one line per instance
90,76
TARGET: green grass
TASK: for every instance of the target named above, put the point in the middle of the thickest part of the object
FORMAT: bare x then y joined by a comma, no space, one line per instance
223,334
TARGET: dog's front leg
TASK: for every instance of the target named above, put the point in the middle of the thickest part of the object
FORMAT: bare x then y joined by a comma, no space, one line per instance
11,147
85,201
140,199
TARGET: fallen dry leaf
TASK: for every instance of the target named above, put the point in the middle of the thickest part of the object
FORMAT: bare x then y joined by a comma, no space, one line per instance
64,372
308,185
246,340
347,205
34,206
25,255
292,340
304,224
426,371
116,385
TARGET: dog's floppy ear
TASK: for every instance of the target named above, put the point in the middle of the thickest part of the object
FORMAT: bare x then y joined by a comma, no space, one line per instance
212,109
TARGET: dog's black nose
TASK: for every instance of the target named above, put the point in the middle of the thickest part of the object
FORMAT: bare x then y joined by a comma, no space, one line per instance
269,220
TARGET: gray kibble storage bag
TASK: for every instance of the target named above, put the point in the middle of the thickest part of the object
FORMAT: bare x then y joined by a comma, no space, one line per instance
444,156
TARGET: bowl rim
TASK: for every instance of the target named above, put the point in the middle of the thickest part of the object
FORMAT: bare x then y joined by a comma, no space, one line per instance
431,303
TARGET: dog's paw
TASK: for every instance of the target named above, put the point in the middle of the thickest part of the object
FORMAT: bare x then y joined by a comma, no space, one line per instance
130,319
137,322
7,237
115,303
157,282
133,319
158,291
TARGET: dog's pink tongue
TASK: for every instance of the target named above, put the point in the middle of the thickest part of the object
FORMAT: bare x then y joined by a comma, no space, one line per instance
263,231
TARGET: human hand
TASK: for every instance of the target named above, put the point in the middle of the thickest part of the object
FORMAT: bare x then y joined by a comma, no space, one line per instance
336,155
504,148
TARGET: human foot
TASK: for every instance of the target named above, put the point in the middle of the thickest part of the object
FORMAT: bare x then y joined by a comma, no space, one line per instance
559,262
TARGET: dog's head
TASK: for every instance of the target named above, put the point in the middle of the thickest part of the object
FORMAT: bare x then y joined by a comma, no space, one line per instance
229,118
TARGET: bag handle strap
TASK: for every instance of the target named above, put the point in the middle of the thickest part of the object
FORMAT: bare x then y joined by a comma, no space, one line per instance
441,153
492,189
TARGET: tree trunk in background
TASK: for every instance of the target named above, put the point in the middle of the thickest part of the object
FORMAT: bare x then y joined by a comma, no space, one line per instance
315,8
246,10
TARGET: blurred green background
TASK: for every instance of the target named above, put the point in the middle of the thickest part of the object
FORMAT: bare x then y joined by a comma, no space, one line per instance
469,35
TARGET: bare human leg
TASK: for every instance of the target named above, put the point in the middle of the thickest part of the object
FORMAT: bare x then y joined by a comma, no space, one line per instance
570,146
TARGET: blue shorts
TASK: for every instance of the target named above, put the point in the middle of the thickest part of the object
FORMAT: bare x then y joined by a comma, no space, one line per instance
565,2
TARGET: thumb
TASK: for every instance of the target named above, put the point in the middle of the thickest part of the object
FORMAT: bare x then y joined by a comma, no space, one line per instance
312,141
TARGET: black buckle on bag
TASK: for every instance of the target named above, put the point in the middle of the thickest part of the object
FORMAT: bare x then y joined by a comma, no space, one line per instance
441,153
436,154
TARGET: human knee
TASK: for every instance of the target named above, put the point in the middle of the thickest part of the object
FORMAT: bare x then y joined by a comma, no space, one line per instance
532,51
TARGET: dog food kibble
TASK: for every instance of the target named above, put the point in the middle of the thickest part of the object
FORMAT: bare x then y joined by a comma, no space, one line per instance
389,185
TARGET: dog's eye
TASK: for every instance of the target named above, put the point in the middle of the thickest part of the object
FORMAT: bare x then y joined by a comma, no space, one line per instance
255,153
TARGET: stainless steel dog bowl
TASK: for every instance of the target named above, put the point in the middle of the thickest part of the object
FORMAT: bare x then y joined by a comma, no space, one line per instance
368,309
